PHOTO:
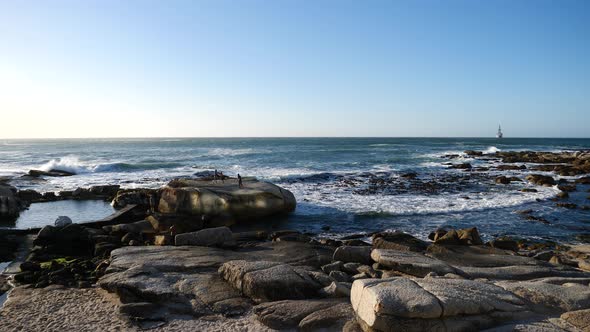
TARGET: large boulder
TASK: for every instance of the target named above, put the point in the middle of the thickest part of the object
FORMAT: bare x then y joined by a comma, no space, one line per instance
264,281
215,198
287,314
431,304
10,205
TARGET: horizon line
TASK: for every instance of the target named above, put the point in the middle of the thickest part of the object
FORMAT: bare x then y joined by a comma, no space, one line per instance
281,137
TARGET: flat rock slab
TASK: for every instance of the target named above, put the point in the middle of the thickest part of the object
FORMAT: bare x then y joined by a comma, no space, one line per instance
288,314
521,272
207,197
579,319
411,263
269,281
567,297
432,304
478,256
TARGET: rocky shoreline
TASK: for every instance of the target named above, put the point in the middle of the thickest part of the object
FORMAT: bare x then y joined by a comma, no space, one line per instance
172,262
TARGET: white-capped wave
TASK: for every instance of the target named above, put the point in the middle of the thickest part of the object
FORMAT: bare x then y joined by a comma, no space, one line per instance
491,150
70,164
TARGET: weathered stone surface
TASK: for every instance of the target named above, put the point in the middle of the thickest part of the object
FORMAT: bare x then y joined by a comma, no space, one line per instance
520,272
336,289
412,263
353,254
398,241
334,266
288,314
181,224
209,237
567,297
431,304
139,227
579,319
478,256
268,281
467,236
332,318
203,197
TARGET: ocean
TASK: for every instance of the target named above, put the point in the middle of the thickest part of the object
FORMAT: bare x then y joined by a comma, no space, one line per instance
343,186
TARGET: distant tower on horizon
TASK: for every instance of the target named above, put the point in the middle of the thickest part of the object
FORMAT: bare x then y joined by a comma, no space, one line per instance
499,133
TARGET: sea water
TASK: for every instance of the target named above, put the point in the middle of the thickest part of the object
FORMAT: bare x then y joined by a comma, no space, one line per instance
342,185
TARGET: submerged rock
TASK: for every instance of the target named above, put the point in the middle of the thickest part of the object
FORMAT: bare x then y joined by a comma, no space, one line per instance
541,180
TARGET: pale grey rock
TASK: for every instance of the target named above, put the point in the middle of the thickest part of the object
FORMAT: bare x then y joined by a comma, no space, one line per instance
432,304
209,237
521,272
567,297
268,281
353,254
409,262
336,289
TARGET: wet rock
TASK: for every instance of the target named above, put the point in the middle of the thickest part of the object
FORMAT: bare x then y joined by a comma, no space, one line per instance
10,204
504,243
198,197
353,254
139,227
583,180
528,190
210,237
104,191
502,180
52,172
567,205
62,221
541,180
432,304
398,241
461,166
473,153
562,195
510,167
567,187
29,196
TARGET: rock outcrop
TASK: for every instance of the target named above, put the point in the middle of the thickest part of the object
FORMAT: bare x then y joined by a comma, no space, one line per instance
216,198
10,204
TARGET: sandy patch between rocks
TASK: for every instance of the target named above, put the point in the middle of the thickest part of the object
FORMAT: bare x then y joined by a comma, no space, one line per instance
56,308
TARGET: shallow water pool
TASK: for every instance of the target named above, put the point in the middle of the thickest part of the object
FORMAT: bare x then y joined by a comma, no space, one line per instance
42,214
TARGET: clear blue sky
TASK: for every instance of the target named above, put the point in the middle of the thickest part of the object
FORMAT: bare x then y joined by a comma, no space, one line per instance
294,68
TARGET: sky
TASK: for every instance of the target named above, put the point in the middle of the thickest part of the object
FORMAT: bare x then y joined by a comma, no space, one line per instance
221,68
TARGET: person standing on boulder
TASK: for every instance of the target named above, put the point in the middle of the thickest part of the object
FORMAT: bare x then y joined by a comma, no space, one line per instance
240,184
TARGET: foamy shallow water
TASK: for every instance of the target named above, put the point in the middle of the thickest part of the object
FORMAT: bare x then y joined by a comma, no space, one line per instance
330,177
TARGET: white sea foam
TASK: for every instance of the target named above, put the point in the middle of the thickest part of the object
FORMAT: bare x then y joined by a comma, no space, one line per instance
346,201
491,150
70,164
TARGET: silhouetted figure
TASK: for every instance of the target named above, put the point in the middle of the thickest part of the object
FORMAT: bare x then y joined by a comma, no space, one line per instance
221,176
240,184
172,230
215,175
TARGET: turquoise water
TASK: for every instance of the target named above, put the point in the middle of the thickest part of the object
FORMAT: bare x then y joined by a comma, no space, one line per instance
349,184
